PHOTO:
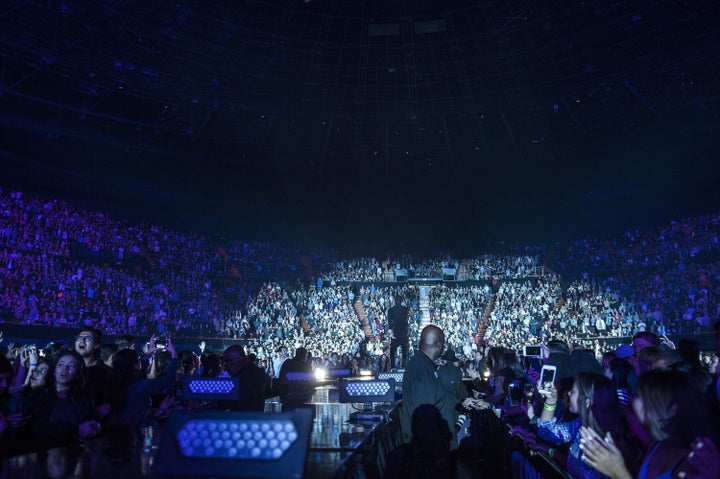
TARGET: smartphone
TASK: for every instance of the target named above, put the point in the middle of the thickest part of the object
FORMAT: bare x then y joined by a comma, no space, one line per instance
515,392
547,377
532,351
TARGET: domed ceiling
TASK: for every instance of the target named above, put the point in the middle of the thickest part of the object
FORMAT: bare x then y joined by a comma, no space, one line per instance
374,117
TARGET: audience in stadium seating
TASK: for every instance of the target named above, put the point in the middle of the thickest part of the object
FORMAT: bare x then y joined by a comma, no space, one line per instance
66,267
63,267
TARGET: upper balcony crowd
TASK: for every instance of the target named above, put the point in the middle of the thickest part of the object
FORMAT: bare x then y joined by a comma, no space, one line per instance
61,266
95,277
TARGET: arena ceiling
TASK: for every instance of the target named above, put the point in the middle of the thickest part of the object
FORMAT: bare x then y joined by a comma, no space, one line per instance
308,110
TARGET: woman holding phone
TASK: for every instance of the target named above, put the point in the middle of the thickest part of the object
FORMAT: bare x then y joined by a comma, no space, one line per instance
132,390
594,401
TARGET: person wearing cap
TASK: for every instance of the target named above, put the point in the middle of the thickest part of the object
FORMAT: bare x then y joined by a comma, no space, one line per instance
450,376
583,360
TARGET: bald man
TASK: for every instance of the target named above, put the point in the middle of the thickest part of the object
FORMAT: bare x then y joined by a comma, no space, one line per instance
421,384
252,381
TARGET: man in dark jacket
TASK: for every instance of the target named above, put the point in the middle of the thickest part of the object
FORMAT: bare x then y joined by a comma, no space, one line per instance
87,345
421,382
252,381
296,380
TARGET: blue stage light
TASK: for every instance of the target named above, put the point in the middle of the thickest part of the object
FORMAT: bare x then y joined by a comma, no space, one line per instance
396,375
210,388
263,439
235,444
373,390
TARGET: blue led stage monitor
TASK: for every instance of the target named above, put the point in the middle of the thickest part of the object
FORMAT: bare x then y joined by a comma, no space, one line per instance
210,388
370,390
235,444
396,375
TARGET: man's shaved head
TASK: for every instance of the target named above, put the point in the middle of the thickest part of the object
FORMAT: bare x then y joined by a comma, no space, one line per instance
432,341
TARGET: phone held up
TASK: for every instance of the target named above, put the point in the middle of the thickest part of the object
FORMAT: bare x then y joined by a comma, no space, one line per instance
547,377
532,351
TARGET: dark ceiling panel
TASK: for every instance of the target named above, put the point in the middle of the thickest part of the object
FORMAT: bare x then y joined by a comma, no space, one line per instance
456,90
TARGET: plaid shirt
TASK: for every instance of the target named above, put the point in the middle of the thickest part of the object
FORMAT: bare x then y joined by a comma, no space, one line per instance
568,432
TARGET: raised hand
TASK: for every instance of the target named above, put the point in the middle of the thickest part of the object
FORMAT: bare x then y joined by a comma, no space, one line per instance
88,429
703,462
602,454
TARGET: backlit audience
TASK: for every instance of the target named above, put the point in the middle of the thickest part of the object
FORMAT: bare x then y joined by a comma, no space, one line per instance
650,409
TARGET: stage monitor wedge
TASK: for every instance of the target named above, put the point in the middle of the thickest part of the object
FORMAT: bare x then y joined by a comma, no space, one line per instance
235,444
396,375
201,388
367,390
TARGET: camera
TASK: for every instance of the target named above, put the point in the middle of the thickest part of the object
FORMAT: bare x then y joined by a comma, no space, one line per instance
161,343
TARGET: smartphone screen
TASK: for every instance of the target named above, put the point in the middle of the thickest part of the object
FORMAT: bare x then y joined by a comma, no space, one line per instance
547,378
533,351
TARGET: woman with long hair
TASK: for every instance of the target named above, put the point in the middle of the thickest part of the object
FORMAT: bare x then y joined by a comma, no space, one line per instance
594,400
683,430
62,409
